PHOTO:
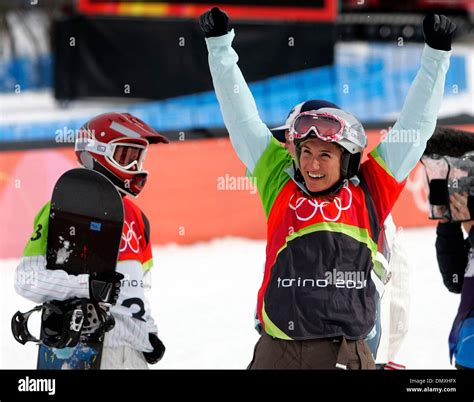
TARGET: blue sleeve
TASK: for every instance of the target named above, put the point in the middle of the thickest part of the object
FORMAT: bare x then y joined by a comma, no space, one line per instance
248,134
404,145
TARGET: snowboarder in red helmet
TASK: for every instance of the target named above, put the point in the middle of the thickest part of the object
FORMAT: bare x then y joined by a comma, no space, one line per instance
115,144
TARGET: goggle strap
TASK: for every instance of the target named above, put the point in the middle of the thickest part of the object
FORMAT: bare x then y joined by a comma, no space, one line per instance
91,145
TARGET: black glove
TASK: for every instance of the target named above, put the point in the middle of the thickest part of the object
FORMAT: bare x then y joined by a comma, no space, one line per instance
438,31
158,350
214,22
104,287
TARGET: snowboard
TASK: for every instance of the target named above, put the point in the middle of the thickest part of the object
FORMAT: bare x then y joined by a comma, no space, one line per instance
85,229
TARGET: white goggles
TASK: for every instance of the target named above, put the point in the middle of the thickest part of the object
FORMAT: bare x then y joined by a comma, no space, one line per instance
125,156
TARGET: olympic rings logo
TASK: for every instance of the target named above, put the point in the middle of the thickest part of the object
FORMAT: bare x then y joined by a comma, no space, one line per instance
129,238
306,208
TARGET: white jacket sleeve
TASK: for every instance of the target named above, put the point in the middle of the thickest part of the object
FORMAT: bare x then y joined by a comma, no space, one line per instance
148,317
418,115
400,295
38,284
248,134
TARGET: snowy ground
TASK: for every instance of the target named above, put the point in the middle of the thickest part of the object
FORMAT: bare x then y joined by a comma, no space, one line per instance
204,298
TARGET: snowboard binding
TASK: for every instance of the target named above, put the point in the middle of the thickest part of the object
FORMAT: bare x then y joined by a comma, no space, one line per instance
64,323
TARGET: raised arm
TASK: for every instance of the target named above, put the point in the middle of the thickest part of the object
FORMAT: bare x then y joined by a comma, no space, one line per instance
417,120
248,134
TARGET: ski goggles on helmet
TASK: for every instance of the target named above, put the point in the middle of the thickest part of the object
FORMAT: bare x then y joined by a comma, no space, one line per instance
325,126
128,157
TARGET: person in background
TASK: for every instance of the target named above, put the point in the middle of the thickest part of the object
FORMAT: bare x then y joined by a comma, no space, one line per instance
454,233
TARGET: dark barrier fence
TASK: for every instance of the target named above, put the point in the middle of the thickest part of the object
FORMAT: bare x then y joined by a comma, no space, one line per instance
158,59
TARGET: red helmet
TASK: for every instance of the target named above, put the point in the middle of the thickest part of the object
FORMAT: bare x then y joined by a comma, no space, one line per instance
115,145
